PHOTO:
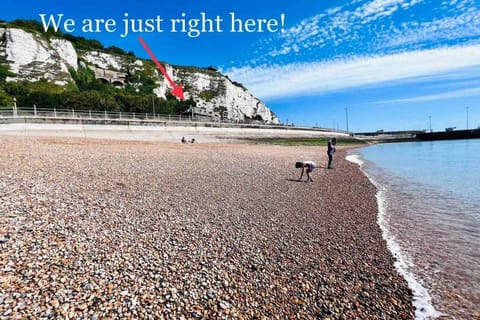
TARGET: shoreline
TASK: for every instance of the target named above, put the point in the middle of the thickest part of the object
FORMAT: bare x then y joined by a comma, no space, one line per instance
421,299
430,221
159,229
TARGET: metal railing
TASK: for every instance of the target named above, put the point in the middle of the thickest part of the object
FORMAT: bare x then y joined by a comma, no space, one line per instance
97,115
53,114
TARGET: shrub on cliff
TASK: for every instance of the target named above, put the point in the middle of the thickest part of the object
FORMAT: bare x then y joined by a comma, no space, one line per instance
6,101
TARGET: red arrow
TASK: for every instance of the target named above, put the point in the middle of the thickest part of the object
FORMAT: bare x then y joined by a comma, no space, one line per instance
177,90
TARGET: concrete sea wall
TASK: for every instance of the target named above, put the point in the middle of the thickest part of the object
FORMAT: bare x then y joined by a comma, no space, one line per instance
153,131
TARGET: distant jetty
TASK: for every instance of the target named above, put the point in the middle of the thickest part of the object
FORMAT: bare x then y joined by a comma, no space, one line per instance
449,135
388,136
416,135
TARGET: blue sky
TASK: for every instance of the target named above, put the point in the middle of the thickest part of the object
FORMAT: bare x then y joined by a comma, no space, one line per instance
391,64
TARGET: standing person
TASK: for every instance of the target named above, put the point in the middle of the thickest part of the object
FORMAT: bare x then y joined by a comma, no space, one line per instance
330,151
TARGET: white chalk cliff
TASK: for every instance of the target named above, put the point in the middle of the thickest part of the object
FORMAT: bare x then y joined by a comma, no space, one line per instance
33,57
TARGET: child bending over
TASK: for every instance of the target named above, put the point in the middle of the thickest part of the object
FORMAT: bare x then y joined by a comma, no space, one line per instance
309,166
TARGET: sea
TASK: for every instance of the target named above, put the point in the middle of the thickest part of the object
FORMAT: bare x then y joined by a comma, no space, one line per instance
429,212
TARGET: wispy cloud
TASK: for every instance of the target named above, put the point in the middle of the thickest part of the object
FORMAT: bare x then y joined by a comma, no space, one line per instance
335,26
373,27
279,81
462,26
462,93
382,8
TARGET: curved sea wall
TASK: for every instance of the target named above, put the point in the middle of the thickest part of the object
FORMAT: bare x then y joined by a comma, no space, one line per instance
203,132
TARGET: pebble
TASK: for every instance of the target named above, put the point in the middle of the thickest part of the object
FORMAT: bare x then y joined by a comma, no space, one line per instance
55,303
225,305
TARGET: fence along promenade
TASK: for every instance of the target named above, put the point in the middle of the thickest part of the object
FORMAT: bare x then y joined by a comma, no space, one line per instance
46,115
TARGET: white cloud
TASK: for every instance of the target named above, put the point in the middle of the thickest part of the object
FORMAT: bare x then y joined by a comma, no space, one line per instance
279,81
382,8
448,28
375,27
337,25
471,92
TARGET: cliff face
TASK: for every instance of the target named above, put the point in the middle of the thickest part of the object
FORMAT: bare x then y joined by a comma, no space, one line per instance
33,57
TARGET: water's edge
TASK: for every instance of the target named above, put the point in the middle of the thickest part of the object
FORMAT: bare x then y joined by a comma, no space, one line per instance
422,301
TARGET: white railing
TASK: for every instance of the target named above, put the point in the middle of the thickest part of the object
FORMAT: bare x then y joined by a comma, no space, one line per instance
109,115
141,118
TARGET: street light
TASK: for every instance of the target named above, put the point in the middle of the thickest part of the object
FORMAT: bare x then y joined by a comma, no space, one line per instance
346,116
467,116
15,113
153,106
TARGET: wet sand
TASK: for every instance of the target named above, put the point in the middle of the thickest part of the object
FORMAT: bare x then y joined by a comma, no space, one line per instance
98,229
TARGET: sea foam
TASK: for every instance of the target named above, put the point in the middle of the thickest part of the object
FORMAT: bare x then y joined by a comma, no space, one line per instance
424,310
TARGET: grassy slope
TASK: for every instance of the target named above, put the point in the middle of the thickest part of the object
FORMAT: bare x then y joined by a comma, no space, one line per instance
303,141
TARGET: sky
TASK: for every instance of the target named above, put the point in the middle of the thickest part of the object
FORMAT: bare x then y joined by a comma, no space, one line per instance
381,64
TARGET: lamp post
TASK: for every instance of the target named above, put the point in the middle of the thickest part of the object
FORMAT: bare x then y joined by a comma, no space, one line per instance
153,106
430,123
467,116
346,117
15,112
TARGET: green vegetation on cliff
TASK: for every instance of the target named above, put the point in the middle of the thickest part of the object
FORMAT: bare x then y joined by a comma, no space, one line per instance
93,96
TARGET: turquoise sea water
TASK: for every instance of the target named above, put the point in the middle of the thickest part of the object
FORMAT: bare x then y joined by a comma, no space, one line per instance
429,211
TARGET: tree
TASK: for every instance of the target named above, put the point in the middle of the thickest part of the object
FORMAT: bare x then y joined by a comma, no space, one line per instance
6,101
90,100
4,73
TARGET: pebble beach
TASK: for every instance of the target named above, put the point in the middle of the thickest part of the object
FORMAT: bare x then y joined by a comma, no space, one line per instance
104,229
